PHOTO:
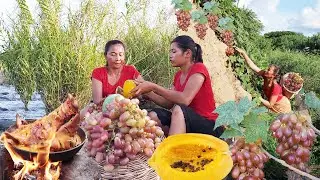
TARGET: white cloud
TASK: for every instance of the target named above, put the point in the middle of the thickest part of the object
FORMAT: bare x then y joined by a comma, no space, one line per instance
310,17
267,12
244,3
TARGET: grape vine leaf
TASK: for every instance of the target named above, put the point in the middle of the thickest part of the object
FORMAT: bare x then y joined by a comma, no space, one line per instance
226,23
232,112
177,4
211,7
260,110
312,101
229,133
255,128
195,15
199,16
186,5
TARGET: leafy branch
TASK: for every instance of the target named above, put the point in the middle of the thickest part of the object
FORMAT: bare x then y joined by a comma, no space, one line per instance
243,119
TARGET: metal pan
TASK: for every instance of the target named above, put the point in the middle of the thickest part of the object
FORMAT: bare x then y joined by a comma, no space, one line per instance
65,155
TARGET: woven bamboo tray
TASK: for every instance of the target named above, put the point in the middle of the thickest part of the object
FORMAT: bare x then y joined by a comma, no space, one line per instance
137,169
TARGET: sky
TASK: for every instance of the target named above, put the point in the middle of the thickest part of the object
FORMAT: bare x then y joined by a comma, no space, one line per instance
276,15
289,15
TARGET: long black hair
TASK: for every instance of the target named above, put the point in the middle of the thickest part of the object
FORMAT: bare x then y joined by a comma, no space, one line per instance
185,42
111,43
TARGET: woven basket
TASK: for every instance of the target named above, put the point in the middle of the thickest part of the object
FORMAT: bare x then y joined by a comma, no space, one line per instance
137,169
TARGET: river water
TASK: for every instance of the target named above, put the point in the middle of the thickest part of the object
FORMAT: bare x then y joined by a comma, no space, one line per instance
11,104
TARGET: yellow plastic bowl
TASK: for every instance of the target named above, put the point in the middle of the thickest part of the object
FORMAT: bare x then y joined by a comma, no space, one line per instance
187,148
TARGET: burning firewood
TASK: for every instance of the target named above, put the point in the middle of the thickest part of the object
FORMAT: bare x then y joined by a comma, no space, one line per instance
55,132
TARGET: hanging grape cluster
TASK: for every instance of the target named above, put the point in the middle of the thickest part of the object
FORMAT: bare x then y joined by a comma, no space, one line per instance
227,38
213,21
119,134
295,139
248,160
183,19
201,30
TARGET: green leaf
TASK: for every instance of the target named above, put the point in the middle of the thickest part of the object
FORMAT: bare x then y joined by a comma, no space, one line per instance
207,6
255,128
312,101
259,110
244,105
228,114
235,126
203,20
176,2
229,133
186,5
195,15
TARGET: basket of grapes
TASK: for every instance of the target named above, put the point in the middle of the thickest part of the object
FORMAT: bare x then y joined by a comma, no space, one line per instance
121,138
292,82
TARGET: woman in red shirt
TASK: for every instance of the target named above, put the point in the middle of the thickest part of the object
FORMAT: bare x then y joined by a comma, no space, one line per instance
191,99
106,79
272,90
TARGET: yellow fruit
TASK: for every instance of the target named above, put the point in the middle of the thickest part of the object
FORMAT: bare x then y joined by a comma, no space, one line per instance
127,87
192,150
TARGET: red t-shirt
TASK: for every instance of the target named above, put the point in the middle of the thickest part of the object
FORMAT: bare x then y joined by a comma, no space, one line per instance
128,72
276,90
203,103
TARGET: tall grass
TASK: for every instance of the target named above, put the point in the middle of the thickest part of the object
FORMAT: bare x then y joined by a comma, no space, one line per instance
52,57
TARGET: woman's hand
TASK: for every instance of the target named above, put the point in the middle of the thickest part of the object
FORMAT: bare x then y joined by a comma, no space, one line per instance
240,51
142,88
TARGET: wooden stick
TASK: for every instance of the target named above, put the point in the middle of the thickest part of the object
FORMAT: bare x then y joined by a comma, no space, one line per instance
291,167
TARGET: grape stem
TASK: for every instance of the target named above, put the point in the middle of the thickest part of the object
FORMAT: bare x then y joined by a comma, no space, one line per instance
317,131
290,167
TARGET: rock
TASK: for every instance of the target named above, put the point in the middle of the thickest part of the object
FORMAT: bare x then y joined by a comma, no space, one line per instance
3,109
80,167
225,85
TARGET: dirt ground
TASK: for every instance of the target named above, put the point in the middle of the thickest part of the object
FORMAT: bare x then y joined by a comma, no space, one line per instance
224,84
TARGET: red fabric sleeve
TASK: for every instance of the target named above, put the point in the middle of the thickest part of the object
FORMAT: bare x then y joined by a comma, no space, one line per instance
199,68
96,74
134,71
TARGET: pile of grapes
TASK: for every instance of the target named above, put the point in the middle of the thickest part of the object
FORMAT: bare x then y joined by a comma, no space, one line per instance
248,160
293,82
117,135
295,139
183,19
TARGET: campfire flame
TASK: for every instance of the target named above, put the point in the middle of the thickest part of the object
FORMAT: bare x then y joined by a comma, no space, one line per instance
46,169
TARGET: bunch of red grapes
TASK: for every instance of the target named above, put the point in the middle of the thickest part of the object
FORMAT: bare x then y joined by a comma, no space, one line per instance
201,30
213,21
227,38
183,19
248,160
293,82
121,133
295,139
